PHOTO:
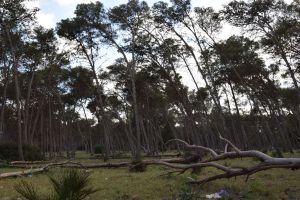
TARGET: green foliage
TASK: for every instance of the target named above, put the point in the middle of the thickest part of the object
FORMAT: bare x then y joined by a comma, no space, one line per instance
10,152
259,188
197,170
99,149
71,185
27,191
138,166
187,154
226,163
121,196
277,153
290,193
33,153
186,192
3,163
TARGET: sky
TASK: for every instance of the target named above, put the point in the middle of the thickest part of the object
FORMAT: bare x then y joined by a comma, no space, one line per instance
52,11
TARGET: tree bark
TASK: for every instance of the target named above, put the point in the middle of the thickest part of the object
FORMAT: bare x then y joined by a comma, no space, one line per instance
18,94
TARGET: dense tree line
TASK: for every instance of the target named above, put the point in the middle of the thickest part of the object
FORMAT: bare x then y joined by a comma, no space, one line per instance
245,87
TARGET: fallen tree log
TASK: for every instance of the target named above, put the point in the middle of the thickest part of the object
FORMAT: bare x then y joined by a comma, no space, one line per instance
98,165
266,162
32,171
22,173
30,162
34,168
181,165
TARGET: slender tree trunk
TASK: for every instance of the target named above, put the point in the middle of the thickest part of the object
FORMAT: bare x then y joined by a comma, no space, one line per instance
91,148
105,121
132,70
18,95
234,99
4,102
26,113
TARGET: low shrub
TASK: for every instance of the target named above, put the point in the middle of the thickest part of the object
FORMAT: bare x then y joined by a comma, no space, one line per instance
138,167
32,153
186,192
71,185
10,152
99,149
277,153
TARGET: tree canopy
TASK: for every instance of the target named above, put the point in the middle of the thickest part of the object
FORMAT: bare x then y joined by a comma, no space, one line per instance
244,87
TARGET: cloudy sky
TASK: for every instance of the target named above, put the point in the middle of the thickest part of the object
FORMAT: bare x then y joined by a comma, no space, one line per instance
52,11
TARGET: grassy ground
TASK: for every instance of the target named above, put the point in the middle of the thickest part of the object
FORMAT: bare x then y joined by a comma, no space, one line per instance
119,184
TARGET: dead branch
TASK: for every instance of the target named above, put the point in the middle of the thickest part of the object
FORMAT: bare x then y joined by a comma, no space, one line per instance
193,147
244,171
229,143
98,165
36,168
32,170
22,173
30,162
267,162
181,165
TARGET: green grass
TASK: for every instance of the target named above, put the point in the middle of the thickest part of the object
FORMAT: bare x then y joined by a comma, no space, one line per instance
120,184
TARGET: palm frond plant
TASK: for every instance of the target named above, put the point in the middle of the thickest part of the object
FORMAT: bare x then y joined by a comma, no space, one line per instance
70,185
27,190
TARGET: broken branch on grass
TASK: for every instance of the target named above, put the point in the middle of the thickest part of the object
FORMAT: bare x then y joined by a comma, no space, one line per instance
181,165
189,146
267,162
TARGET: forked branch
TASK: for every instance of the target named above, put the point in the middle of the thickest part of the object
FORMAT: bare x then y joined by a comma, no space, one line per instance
194,147
266,161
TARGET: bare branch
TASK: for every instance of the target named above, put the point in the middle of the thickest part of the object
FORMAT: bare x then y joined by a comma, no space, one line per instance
181,165
187,145
230,143
226,148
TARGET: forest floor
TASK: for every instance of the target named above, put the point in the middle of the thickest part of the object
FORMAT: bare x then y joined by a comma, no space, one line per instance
120,184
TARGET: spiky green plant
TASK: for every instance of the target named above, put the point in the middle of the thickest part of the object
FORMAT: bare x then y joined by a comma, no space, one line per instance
71,185
27,191
186,192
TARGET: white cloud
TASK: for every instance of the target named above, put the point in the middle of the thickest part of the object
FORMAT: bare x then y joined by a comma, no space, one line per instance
32,4
46,19
72,2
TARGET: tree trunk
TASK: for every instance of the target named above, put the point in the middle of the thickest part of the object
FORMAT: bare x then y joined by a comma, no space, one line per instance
18,95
